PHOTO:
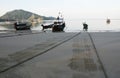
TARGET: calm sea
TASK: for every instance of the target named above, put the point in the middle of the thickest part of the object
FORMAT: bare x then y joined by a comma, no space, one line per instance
76,25
93,25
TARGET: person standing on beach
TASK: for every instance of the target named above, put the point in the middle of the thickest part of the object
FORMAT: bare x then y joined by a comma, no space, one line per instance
85,26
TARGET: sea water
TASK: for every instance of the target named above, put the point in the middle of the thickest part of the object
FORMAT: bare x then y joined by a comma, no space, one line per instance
93,25
75,25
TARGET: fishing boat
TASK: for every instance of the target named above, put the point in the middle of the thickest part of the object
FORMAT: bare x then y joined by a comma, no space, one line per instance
22,26
57,26
46,26
108,21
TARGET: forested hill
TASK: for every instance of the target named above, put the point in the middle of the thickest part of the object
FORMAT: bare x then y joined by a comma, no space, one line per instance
22,14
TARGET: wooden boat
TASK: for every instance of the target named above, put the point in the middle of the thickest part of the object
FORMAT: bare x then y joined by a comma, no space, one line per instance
22,26
108,21
47,26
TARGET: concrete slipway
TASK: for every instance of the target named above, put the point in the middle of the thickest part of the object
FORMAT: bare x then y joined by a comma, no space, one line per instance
60,55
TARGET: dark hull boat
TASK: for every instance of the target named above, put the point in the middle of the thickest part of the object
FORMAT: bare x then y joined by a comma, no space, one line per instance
57,26
108,21
22,26
47,26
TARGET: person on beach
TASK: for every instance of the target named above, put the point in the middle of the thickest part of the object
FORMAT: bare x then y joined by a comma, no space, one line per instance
85,27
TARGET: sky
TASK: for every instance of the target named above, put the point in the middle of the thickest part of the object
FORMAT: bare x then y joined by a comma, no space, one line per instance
71,9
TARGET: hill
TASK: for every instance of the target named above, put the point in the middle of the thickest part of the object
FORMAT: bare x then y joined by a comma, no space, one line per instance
22,15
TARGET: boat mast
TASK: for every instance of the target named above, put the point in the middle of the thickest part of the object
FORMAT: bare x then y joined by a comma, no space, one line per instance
60,17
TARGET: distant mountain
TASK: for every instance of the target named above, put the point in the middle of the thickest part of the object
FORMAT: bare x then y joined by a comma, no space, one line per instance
22,15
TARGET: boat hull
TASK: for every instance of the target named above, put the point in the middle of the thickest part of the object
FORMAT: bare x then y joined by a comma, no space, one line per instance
22,26
58,27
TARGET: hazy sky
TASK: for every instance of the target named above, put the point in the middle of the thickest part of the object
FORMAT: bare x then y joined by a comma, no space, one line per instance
76,9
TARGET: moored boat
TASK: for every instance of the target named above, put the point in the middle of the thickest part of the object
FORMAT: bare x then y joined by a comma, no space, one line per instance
22,26
57,26
46,26
108,21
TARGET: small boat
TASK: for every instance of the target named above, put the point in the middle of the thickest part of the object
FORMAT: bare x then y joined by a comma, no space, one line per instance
108,21
47,26
22,26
